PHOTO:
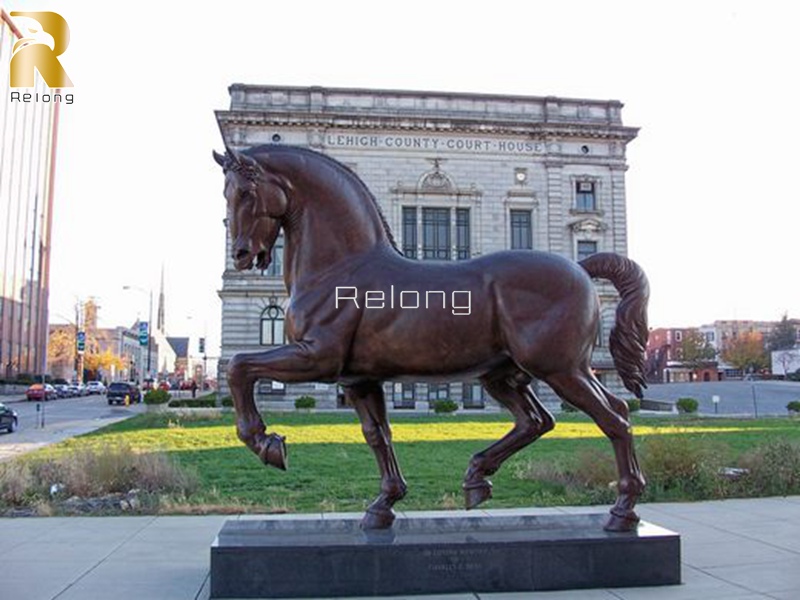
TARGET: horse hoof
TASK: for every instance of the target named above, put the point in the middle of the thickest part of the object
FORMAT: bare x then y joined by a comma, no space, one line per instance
622,523
273,452
476,493
377,519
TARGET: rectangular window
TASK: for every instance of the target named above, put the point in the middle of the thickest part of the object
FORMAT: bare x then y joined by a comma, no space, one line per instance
584,196
410,231
404,395
472,395
462,234
521,230
275,268
438,391
435,234
586,249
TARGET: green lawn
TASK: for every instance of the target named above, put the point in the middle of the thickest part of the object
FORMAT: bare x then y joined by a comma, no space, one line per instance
331,468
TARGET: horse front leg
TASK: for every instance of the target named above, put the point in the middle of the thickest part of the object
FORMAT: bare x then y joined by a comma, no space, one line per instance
367,399
291,363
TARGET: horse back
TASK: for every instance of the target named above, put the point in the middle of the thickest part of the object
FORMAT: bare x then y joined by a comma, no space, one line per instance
419,318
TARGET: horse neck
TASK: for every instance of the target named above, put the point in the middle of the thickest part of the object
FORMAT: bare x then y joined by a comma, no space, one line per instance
327,227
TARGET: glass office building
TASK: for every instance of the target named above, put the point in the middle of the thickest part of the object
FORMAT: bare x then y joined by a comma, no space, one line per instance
27,153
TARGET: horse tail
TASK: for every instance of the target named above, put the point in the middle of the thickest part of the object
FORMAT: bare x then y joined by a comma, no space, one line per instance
628,338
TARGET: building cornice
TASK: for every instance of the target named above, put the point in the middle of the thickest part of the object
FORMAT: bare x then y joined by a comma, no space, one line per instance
539,117
534,130
431,95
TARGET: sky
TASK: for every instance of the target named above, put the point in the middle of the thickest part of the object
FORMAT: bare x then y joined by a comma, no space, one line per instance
713,207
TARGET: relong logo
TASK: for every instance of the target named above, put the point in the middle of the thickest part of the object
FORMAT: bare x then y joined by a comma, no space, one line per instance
32,53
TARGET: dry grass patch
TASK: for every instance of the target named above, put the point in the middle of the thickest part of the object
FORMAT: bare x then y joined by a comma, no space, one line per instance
92,472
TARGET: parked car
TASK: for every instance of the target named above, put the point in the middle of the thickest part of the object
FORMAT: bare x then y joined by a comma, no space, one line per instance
41,391
95,387
8,419
62,390
121,392
78,389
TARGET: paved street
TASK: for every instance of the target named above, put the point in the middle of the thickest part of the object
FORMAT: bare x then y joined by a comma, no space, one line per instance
63,418
736,397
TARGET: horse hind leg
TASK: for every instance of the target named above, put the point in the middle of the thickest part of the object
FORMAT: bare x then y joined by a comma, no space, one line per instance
585,392
531,421
367,399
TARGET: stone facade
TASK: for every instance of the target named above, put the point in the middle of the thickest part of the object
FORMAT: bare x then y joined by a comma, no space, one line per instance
457,176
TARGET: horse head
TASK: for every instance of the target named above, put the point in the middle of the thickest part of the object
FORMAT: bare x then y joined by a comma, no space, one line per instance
257,203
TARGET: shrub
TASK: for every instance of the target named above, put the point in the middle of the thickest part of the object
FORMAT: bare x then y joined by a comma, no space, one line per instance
773,469
687,405
305,403
634,404
444,406
156,397
193,403
793,406
682,466
226,401
27,379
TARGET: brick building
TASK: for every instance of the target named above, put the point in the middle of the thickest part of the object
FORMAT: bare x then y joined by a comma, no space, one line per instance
665,362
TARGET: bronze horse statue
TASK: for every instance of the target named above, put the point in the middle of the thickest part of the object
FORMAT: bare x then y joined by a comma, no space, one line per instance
531,314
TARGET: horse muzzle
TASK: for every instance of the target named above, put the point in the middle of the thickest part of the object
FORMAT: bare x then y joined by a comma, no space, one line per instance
263,260
243,260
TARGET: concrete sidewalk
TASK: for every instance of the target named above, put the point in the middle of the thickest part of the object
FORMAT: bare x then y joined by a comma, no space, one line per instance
740,549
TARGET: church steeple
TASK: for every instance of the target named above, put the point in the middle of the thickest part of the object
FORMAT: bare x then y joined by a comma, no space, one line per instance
160,317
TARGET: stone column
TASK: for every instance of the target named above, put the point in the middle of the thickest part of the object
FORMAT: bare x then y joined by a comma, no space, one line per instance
619,219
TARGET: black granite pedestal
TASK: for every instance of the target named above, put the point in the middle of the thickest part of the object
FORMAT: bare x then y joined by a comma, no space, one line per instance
319,558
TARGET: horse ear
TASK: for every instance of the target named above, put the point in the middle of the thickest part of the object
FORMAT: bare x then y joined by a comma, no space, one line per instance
249,161
244,160
219,158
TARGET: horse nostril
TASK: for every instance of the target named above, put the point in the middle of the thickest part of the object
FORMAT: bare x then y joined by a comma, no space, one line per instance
241,254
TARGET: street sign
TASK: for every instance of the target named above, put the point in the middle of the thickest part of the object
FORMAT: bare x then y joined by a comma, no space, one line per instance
143,333
80,341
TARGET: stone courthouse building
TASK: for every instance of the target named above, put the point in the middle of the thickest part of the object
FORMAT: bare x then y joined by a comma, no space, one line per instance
457,176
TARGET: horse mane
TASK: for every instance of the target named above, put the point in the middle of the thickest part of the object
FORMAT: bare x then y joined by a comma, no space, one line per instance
337,166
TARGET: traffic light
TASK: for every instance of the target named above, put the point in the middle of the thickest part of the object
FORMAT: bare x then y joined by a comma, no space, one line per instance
202,345
144,333
80,341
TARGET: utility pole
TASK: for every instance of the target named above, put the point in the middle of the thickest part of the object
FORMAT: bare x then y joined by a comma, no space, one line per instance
80,341
150,336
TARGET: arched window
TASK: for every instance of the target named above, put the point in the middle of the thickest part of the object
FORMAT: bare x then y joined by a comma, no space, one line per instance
272,321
